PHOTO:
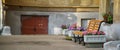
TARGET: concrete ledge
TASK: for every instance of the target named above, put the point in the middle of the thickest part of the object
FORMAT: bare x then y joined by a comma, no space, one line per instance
94,45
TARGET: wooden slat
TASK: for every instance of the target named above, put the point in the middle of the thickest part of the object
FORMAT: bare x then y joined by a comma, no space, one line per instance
94,24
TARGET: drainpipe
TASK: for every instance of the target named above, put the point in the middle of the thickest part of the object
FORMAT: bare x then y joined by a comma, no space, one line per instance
1,16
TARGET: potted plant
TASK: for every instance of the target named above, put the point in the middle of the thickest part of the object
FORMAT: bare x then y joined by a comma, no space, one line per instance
105,17
108,18
64,29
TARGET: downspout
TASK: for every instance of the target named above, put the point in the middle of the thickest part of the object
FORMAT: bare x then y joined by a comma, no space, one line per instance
1,16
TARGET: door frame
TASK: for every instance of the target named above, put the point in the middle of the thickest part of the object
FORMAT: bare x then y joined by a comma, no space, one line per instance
31,16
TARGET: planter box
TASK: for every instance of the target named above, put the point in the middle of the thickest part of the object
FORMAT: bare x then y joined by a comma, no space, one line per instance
64,31
94,38
70,34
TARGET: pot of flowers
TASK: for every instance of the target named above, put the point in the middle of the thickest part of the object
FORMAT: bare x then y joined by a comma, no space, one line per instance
64,29
94,37
108,18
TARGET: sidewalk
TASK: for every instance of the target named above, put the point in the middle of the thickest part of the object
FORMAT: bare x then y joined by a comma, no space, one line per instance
39,42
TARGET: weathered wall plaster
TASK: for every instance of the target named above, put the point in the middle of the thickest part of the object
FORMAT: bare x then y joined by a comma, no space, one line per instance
56,19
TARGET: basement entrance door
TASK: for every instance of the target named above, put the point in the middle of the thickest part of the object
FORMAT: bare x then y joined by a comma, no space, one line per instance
34,25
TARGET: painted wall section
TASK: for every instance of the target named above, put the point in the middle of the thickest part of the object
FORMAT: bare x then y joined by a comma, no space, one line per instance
56,19
116,11
54,3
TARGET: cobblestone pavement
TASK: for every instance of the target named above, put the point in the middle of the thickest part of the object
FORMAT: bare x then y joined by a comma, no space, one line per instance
39,42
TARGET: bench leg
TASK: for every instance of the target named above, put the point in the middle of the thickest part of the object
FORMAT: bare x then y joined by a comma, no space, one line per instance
75,40
79,39
83,41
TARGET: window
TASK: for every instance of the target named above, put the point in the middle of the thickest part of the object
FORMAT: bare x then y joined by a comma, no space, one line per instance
84,22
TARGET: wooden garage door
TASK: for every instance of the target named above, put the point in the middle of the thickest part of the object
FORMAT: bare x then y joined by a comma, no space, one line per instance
34,25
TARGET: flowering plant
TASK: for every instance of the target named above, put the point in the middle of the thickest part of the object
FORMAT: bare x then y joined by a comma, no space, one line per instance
93,32
81,29
75,27
108,18
64,27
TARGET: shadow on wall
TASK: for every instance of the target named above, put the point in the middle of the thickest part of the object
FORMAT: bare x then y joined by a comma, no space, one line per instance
63,19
